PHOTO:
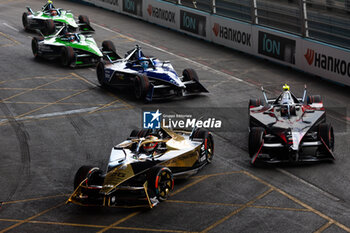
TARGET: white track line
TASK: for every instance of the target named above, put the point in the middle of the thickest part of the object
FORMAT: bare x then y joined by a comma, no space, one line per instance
9,26
178,56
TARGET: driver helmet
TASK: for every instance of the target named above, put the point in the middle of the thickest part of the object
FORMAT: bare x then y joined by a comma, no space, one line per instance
70,36
50,4
53,12
151,146
144,62
286,96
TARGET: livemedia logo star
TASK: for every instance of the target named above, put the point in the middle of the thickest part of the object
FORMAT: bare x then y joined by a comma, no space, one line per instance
310,55
151,120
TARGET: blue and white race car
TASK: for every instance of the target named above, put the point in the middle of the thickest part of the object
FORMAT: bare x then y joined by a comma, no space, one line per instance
149,77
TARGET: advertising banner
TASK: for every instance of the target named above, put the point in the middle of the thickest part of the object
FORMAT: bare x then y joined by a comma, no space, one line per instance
275,46
194,23
134,8
231,33
113,5
325,61
164,14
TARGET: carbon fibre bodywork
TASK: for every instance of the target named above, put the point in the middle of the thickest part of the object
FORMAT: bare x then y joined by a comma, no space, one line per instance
129,180
295,133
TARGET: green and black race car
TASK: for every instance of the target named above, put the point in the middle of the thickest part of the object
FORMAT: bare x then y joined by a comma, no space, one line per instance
49,16
72,49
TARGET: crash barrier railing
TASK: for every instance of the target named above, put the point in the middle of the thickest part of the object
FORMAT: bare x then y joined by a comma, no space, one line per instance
293,47
324,20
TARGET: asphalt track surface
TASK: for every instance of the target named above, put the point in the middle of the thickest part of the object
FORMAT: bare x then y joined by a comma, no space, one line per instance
55,119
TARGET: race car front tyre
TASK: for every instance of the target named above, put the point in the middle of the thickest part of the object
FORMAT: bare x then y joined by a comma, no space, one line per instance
25,20
49,27
314,99
92,173
100,71
35,46
67,56
256,140
160,182
325,132
207,148
141,86
84,19
190,75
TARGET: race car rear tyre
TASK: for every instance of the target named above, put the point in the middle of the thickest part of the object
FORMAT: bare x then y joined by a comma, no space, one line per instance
160,182
35,46
100,71
314,99
140,133
141,86
49,27
108,46
25,20
325,132
255,103
256,139
207,149
84,19
92,173
67,56
190,75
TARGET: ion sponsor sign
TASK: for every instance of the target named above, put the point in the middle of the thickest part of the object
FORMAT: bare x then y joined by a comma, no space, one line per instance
232,34
277,47
193,23
133,7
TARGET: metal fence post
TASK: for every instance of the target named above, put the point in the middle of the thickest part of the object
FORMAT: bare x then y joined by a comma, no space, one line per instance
213,7
254,12
303,18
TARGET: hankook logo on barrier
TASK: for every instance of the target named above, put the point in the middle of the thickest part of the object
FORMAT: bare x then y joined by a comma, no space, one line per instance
160,13
193,23
232,34
111,2
328,63
133,7
277,47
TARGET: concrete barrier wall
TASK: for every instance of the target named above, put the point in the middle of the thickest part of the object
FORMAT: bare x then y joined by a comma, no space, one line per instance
311,56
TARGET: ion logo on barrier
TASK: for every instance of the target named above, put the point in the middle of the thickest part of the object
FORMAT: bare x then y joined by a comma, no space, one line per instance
277,47
231,34
133,7
193,23
328,63
160,13
151,120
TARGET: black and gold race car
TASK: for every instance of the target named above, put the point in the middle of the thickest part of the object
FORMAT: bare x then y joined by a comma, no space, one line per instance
141,170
